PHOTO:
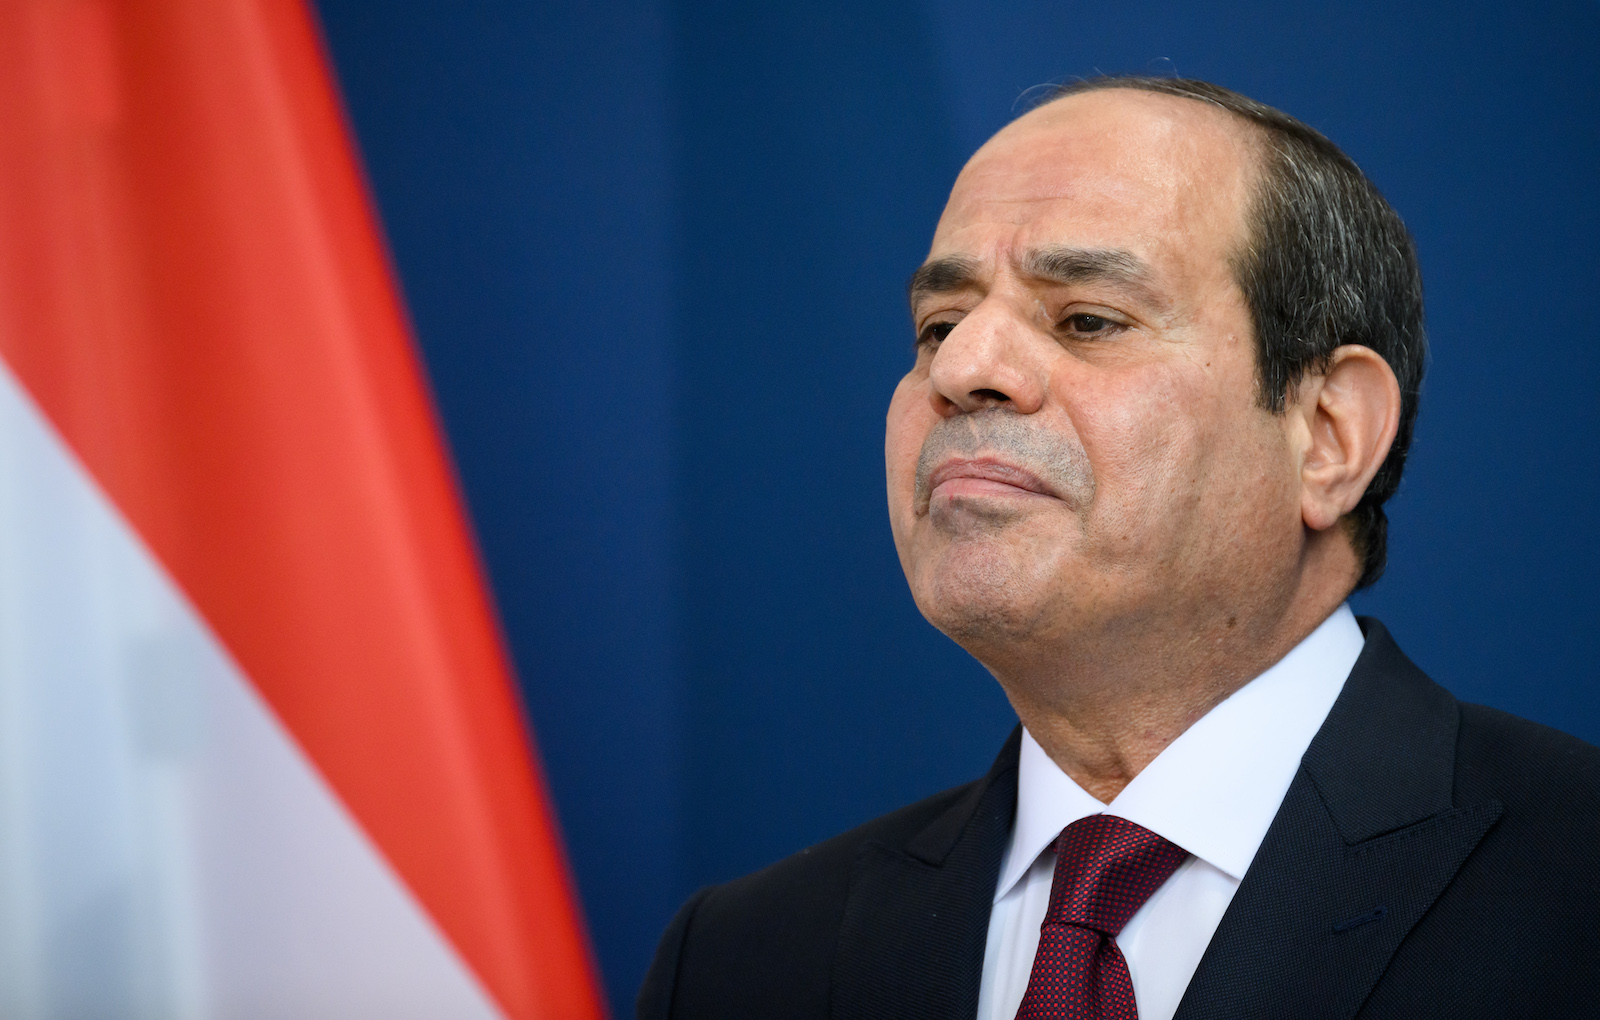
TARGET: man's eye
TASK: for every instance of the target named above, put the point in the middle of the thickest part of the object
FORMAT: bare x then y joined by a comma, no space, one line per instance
1083,322
934,332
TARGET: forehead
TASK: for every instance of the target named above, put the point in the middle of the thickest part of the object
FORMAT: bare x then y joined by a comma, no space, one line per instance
1163,177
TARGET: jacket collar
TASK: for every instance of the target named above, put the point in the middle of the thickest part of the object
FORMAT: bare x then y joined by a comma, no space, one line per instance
1367,838
917,915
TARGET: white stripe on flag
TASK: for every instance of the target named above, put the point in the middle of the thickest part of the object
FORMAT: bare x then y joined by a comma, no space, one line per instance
166,851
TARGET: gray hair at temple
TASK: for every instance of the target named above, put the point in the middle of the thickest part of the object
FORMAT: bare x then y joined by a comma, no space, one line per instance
1328,262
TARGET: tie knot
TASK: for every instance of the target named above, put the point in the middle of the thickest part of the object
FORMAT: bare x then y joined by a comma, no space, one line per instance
1106,867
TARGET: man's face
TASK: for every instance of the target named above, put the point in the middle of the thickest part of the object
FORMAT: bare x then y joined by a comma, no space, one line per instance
1079,448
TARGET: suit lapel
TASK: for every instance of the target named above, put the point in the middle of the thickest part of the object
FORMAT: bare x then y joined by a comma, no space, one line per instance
912,941
1367,838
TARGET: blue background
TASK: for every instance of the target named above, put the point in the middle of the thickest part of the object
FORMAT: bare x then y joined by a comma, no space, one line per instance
655,254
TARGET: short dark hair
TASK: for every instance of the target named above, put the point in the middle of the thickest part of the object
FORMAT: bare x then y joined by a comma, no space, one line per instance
1328,262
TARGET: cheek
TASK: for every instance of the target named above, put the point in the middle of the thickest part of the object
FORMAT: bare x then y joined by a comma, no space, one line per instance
1145,438
910,418
1187,466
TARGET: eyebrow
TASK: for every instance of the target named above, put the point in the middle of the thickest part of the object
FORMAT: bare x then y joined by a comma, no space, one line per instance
942,276
1057,263
1087,265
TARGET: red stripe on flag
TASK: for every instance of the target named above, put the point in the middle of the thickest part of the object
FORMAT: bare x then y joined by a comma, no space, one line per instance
192,287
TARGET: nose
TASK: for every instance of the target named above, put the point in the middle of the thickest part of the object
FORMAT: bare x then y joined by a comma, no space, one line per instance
984,362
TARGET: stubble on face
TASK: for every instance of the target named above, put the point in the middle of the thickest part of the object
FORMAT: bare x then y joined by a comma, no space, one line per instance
1166,180
990,565
1008,438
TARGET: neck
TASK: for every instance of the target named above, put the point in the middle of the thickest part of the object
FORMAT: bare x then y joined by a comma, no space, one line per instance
1103,704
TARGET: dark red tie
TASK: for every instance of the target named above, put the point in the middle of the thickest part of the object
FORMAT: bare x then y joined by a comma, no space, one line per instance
1106,867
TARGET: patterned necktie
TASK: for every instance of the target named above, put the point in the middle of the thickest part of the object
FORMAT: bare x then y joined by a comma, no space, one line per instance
1106,867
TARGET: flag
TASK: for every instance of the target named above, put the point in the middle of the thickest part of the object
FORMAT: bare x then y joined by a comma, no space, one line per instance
260,752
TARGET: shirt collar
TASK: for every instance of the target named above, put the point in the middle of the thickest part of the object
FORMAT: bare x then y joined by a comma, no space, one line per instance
1215,789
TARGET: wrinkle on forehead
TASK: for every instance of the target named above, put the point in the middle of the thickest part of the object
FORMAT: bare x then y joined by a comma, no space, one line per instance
1051,263
1168,179
1168,158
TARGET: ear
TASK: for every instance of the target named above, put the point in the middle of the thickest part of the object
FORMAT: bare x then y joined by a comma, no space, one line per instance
1351,413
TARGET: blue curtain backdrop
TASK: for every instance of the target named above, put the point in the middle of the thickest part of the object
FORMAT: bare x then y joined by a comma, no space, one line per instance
655,253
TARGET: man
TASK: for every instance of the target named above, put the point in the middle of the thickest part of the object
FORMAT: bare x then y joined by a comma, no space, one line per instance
1169,342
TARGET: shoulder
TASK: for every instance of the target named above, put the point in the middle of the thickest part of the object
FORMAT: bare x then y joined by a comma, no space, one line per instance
1397,729
774,927
796,881
1544,778
1517,927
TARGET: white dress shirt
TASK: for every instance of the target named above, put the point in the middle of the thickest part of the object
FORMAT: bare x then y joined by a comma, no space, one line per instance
1213,792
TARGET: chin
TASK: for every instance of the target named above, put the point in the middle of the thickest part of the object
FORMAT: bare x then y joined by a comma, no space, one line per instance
983,593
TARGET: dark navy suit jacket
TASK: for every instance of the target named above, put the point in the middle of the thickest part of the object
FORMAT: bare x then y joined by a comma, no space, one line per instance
1431,859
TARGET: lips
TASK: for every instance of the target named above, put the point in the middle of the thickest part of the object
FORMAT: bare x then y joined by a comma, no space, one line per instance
985,476
975,461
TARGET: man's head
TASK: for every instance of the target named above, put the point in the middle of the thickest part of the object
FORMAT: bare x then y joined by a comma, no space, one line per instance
1167,340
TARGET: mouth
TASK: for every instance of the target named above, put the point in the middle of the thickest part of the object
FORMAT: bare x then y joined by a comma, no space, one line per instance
984,477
